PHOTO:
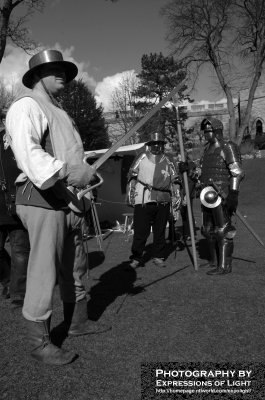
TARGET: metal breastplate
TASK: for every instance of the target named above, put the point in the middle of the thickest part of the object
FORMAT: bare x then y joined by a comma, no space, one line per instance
155,159
215,168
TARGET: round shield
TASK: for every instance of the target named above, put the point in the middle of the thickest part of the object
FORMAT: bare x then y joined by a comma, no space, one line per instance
209,197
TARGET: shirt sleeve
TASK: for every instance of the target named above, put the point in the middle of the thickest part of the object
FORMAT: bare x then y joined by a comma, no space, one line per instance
26,124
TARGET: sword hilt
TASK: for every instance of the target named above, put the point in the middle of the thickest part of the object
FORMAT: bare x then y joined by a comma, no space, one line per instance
216,187
89,188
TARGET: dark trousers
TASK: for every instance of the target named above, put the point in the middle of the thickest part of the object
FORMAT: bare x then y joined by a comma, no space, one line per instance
150,214
13,272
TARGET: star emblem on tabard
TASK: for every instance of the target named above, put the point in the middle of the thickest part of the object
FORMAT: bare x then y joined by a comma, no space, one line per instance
165,173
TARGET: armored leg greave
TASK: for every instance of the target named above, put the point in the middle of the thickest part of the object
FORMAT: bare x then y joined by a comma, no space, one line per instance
224,234
208,232
211,240
226,247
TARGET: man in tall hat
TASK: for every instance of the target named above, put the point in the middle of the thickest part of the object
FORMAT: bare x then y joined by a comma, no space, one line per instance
152,183
221,169
49,151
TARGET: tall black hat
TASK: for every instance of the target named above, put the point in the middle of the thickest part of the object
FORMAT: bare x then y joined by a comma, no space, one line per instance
49,57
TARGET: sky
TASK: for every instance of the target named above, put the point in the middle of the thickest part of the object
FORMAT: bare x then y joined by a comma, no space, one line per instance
103,39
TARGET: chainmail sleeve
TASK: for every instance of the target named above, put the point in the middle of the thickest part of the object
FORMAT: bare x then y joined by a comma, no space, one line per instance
132,179
175,176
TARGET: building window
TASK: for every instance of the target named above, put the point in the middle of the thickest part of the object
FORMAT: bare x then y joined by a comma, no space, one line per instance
198,107
259,128
219,105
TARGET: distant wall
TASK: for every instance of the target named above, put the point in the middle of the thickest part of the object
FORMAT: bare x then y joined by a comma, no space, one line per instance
257,115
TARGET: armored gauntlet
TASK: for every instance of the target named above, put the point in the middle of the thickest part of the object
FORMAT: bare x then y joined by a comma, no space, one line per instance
176,203
232,200
130,195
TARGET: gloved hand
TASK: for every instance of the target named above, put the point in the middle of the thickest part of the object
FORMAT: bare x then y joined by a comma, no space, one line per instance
79,175
231,200
183,166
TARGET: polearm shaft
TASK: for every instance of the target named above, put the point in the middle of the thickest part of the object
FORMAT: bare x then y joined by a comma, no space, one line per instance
186,190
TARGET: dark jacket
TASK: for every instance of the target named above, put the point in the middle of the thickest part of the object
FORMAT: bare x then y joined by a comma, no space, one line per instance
11,172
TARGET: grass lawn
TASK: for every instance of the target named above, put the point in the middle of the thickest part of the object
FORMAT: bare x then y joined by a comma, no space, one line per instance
175,314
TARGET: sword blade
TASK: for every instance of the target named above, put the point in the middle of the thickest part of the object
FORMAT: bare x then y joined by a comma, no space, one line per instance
127,135
137,126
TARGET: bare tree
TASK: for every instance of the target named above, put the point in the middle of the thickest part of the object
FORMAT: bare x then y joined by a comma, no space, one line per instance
14,28
122,101
213,32
250,39
9,90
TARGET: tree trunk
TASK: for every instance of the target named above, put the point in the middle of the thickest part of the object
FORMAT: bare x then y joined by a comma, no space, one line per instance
227,90
232,115
5,12
247,114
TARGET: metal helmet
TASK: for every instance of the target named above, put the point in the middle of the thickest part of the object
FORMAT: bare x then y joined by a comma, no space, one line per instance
156,143
47,57
210,198
156,137
214,125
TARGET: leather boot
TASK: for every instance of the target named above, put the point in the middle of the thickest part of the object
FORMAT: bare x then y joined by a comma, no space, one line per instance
226,247
75,315
213,251
5,293
222,271
42,350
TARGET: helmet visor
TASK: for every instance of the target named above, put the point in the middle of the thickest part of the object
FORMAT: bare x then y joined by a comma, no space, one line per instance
156,147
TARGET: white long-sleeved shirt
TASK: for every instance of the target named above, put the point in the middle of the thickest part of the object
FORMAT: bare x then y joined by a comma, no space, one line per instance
26,124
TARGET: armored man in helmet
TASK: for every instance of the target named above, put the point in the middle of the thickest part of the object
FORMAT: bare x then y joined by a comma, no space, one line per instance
220,170
152,184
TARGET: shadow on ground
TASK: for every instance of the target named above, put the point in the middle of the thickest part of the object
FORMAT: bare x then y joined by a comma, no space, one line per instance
111,284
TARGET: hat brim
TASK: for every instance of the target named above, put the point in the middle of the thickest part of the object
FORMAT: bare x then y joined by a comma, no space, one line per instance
70,68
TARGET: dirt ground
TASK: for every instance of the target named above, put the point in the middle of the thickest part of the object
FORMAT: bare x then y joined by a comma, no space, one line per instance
158,315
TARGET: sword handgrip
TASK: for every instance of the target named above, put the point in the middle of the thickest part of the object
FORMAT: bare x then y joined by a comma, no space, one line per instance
89,188
214,185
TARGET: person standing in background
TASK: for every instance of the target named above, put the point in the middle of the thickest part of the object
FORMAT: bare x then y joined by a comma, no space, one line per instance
153,185
13,270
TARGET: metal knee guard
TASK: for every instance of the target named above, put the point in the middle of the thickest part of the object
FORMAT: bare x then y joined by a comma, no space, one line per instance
225,243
